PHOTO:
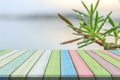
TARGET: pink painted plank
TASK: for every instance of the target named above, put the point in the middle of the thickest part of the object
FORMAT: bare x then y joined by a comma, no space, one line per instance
110,54
81,68
108,66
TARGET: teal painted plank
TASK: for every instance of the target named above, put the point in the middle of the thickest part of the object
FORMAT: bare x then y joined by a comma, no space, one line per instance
67,67
10,67
26,66
10,58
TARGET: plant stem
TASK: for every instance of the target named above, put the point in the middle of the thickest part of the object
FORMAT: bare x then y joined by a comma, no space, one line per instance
70,41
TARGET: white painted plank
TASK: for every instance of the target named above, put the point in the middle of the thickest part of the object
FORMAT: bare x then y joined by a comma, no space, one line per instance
39,68
27,65
10,58
8,54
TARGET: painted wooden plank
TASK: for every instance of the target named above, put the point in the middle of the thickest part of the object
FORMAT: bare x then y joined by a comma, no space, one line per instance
8,54
10,58
53,67
115,52
38,70
4,52
108,66
12,66
108,58
81,68
67,67
26,66
94,66
111,54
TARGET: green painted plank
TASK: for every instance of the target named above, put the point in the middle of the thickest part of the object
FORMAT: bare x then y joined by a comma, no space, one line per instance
53,67
26,66
95,67
5,52
108,58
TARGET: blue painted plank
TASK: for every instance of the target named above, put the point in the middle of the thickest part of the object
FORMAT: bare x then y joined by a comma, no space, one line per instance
10,67
115,52
67,67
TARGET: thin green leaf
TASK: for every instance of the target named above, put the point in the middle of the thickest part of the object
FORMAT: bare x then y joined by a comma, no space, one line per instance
104,22
75,28
115,33
84,41
91,16
92,11
91,19
82,34
100,17
85,45
96,21
96,5
80,12
85,27
111,22
111,30
65,19
85,7
81,19
101,20
113,25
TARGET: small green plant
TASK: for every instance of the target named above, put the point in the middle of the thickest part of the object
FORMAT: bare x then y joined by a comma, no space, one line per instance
91,28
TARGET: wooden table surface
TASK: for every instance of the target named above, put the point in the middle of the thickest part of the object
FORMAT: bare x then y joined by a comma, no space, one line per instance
59,64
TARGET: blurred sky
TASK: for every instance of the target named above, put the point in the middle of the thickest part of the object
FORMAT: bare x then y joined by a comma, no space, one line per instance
50,6
27,6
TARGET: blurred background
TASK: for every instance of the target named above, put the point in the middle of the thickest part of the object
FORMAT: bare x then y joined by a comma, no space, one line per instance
34,24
